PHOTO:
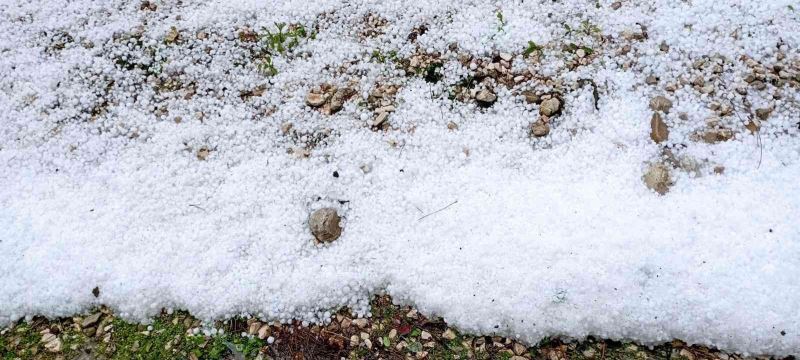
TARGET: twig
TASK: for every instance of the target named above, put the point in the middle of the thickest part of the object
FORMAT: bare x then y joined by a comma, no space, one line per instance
195,206
440,210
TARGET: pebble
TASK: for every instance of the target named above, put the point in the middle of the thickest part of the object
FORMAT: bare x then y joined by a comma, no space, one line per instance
380,119
315,100
659,131
485,98
91,320
657,178
660,103
763,113
540,128
324,224
550,107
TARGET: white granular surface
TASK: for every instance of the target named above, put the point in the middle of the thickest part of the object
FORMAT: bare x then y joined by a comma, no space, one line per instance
553,236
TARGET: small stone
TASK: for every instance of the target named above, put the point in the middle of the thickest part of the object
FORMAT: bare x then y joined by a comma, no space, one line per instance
580,53
452,126
354,341
368,343
763,113
315,100
339,97
589,353
253,328
286,127
550,107
96,291
519,349
449,334
651,80
172,36
531,97
663,46
380,119
713,136
91,320
540,128
657,178
203,153
485,98
758,85
506,56
616,5
52,343
688,355
425,335
659,131
361,323
324,224
392,334
753,125
660,103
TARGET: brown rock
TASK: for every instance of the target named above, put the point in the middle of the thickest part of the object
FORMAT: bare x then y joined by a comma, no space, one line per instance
315,100
763,113
339,97
657,178
203,153
91,320
172,36
713,136
324,224
540,128
264,331
485,98
550,107
660,103
531,97
753,125
659,131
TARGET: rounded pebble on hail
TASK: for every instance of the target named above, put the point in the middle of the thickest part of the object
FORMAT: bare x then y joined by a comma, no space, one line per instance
625,170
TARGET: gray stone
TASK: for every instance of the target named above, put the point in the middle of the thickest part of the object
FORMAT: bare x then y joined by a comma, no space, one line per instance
324,224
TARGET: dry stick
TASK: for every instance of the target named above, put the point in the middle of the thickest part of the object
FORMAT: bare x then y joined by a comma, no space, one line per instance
193,205
437,211
759,143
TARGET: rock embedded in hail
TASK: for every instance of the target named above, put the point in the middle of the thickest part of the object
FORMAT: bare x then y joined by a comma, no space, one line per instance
324,224
550,107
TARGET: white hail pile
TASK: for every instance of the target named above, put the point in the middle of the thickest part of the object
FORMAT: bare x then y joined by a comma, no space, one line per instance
143,151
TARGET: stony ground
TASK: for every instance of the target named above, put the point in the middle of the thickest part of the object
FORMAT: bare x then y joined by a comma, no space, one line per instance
393,332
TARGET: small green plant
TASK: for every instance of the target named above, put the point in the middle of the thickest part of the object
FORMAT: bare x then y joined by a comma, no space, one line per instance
588,28
532,48
266,67
278,42
572,47
281,41
501,19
